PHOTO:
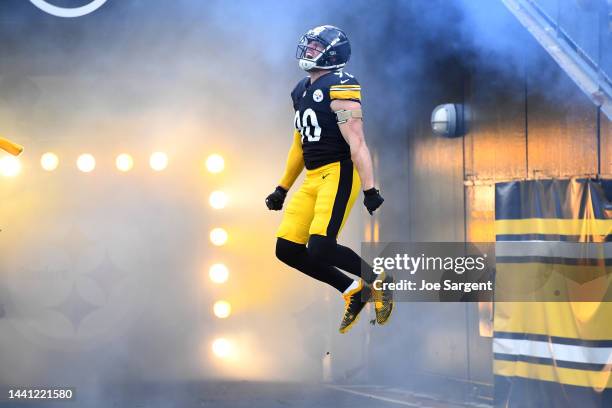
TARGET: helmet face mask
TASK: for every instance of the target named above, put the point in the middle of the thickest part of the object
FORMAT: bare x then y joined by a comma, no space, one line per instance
308,52
323,47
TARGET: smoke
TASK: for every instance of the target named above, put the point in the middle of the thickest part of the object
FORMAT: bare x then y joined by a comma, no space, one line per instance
109,270
192,78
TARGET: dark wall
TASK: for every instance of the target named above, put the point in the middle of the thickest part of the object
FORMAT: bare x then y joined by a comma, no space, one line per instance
526,119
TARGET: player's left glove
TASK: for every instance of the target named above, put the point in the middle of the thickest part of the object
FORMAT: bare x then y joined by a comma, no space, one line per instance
275,200
372,199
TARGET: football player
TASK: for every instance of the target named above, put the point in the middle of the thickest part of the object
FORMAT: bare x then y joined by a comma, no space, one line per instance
329,141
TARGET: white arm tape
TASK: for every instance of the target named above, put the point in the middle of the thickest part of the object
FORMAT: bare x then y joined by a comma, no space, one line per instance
344,115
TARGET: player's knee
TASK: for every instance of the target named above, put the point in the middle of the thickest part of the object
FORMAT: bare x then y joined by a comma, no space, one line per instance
289,252
321,248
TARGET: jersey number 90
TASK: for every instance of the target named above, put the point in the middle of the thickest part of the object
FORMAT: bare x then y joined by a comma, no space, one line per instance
308,125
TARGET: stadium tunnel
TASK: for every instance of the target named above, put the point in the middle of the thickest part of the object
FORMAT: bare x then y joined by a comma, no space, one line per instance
123,307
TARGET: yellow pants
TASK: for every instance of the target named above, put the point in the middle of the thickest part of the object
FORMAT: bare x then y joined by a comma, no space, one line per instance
322,204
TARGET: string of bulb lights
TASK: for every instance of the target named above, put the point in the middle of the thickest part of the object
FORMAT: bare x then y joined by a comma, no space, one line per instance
219,272
10,166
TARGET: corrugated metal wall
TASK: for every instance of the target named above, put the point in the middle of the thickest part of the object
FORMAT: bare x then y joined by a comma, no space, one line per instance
528,122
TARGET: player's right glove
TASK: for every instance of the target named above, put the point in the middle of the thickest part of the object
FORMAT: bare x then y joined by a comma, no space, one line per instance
275,200
372,199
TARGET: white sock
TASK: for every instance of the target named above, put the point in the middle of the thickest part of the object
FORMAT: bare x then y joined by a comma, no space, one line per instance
352,287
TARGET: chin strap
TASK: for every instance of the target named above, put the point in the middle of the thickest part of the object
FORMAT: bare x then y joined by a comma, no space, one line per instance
307,64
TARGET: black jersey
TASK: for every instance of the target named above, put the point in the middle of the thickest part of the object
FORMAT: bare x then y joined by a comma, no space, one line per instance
322,141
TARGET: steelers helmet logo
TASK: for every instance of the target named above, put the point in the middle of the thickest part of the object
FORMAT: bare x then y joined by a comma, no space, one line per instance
317,95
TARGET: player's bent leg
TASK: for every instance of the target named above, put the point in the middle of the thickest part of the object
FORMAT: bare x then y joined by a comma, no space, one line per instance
337,189
346,259
289,252
296,255
323,250
326,249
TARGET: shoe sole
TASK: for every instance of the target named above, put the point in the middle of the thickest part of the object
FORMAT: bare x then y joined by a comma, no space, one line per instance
382,322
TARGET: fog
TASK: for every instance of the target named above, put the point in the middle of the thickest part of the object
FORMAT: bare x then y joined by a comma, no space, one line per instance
104,276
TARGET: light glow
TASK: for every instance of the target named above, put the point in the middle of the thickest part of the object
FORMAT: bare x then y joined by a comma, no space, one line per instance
222,309
218,200
222,348
218,273
158,161
10,166
49,161
124,162
218,236
215,163
86,163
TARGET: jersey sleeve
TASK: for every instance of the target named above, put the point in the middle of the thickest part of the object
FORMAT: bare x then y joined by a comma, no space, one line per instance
345,87
295,162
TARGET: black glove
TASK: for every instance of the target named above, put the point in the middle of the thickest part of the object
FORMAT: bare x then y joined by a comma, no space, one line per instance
372,199
275,200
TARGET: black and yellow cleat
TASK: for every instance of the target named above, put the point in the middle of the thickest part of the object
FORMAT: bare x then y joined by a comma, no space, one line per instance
383,299
354,304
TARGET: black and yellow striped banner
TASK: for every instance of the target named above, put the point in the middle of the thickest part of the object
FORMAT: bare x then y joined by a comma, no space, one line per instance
553,239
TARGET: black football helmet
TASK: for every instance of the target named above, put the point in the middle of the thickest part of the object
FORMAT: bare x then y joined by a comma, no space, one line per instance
333,48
